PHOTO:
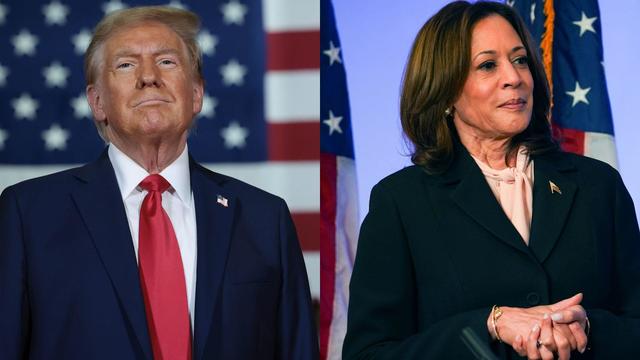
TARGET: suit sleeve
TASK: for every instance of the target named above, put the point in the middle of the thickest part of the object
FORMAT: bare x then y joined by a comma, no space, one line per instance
14,309
615,331
383,310
297,329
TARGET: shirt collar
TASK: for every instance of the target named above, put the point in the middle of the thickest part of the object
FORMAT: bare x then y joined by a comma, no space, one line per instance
129,174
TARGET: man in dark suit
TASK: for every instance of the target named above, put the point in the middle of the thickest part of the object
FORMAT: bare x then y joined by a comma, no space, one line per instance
144,253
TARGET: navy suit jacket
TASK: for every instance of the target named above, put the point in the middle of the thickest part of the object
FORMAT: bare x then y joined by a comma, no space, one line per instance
69,283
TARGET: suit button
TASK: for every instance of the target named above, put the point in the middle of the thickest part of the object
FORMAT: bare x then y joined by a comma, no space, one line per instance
533,298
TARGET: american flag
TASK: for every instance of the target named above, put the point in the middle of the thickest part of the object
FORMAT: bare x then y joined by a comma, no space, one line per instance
570,39
339,200
260,119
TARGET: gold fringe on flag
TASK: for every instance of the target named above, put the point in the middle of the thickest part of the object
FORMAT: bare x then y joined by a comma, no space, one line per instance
546,45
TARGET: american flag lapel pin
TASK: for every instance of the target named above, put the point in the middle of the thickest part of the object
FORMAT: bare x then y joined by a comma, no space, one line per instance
222,201
554,188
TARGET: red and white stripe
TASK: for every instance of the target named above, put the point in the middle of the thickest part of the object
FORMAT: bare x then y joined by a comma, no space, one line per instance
292,108
339,234
596,145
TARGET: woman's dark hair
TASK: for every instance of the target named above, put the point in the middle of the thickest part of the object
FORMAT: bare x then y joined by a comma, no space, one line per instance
435,75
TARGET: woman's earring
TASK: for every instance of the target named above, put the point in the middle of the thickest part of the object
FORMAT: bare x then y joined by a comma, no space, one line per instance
448,112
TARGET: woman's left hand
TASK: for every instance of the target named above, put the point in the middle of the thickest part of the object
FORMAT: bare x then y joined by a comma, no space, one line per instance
575,317
543,342
569,318
569,323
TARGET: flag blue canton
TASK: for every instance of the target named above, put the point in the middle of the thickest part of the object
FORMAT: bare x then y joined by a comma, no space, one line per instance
580,98
44,118
335,134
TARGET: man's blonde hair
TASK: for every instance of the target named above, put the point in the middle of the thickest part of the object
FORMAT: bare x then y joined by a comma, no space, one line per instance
184,23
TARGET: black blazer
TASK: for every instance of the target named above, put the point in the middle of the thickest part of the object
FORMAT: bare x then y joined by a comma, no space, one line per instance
437,251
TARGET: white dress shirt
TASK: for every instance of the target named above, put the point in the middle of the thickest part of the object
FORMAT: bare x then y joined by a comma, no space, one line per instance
177,201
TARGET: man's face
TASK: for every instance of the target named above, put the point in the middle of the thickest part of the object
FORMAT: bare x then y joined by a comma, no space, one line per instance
146,89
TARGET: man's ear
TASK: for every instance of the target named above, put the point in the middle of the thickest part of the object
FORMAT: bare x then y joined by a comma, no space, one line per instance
95,102
198,92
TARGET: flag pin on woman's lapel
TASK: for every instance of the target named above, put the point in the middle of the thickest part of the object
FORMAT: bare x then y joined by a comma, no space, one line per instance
223,201
554,188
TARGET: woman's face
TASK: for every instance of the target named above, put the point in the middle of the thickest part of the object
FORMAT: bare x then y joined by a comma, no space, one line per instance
497,97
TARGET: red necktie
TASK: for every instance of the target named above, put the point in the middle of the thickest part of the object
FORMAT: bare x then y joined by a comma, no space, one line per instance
162,277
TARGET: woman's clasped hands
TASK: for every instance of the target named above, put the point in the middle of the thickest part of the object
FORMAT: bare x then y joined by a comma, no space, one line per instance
543,332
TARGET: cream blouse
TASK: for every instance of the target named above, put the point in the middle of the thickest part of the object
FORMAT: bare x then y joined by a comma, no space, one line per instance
513,188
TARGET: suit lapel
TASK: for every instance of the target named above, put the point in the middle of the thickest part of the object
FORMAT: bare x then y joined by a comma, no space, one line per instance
214,223
474,197
550,208
100,205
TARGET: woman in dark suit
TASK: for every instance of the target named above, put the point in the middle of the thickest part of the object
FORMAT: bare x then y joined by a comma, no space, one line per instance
494,229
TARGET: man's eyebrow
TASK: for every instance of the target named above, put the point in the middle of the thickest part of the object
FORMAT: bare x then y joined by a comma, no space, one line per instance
493,52
132,53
